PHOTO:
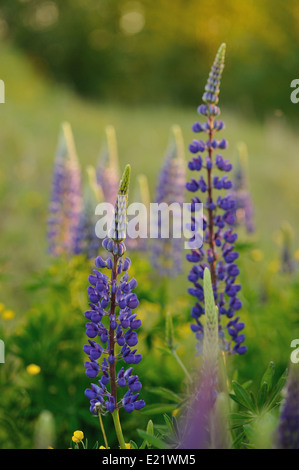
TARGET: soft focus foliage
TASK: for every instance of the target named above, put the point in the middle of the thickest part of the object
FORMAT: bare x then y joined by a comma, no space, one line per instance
135,49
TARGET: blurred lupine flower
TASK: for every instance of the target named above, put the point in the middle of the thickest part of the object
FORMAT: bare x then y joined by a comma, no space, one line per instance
217,251
209,405
288,429
287,259
240,191
167,252
141,196
66,198
108,169
86,240
112,320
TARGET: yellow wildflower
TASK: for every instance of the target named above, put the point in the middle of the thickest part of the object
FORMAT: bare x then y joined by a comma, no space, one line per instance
256,255
33,369
8,315
78,436
128,446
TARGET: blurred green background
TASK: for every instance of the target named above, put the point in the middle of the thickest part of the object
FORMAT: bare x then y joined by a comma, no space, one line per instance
156,52
142,67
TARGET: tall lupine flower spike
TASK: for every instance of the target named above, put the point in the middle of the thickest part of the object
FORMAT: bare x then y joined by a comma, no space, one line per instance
108,168
207,407
240,191
287,238
288,429
217,251
87,241
112,320
167,252
141,195
66,198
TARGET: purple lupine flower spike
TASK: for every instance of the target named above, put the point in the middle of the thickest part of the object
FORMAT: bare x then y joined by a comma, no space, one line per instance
288,429
167,249
218,250
112,320
108,169
66,198
87,241
141,195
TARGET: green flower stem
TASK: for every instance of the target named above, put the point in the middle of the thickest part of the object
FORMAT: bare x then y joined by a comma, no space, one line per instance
118,430
103,431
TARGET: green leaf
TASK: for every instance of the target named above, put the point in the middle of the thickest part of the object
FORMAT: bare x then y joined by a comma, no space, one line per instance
158,408
167,394
269,375
274,397
262,396
169,423
247,384
242,397
133,445
152,440
164,350
150,428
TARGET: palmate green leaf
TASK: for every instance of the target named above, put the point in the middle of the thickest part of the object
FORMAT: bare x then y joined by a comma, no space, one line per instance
242,397
240,418
238,441
152,440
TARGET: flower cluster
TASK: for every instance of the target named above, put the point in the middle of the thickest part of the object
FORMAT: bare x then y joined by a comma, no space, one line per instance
66,198
112,320
218,250
167,252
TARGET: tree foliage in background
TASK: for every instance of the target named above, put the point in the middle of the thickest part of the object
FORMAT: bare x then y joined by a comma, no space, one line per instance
142,51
